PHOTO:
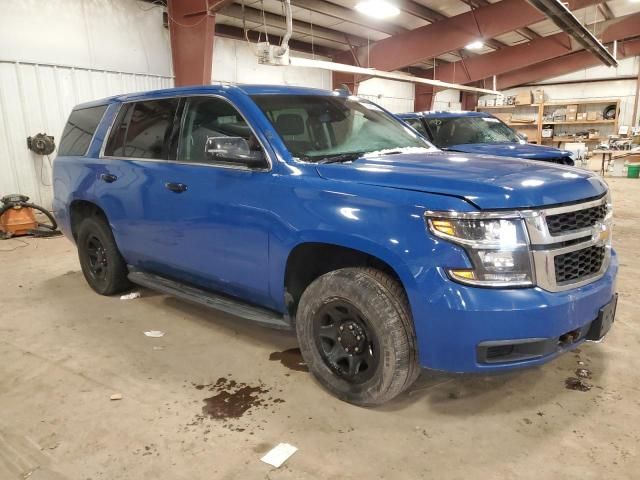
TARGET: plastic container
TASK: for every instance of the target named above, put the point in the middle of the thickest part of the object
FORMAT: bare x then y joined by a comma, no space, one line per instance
633,170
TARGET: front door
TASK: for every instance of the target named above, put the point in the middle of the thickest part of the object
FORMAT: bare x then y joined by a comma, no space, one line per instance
216,215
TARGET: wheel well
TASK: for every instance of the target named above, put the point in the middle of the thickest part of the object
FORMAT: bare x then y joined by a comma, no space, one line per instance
81,209
309,261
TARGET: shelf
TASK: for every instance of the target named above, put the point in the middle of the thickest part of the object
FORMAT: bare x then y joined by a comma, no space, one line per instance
569,139
534,129
527,125
581,102
487,107
579,122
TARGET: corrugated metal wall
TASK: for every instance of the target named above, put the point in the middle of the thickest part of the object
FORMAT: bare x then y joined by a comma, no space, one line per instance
37,98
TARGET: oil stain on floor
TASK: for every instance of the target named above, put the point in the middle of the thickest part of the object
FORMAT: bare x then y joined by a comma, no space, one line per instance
292,359
233,400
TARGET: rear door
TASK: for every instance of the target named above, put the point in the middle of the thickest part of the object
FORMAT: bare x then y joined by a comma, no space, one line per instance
130,180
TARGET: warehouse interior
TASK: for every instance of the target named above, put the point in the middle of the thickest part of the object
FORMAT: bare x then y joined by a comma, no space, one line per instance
147,385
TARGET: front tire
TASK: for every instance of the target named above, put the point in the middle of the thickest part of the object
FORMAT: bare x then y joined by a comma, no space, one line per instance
102,265
356,335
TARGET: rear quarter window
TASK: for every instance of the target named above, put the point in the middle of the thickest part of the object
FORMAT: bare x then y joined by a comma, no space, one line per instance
79,131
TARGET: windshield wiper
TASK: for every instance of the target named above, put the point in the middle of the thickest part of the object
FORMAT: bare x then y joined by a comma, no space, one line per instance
341,157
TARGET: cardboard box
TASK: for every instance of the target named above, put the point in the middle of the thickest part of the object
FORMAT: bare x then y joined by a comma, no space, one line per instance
572,109
592,116
581,116
523,98
500,101
491,102
547,132
571,116
538,96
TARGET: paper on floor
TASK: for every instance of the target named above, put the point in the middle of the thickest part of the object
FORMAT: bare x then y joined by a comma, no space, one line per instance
154,333
130,296
279,454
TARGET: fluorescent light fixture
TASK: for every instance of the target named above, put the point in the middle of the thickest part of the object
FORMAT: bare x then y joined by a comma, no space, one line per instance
377,8
477,45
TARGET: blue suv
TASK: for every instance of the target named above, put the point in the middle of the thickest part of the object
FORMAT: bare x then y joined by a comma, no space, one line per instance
481,133
320,212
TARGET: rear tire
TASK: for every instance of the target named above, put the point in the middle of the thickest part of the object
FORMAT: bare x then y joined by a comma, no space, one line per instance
356,335
102,265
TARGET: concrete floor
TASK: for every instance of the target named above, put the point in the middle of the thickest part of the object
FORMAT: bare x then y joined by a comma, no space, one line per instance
65,350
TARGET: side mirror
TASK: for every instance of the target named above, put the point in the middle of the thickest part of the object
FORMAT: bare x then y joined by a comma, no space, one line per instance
524,137
234,150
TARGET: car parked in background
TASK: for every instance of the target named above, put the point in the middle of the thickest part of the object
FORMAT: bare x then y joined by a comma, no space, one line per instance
482,133
320,212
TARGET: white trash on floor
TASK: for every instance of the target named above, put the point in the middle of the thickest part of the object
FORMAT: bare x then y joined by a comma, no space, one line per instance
279,454
154,333
130,296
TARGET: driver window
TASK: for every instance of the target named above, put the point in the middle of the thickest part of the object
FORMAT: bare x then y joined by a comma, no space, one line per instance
207,117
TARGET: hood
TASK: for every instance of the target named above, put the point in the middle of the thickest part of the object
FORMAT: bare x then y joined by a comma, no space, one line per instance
528,151
486,181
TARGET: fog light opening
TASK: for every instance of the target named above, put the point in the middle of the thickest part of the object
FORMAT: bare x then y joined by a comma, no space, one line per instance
568,338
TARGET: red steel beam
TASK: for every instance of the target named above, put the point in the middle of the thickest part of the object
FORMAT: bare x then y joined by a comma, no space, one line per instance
408,48
191,28
626,27
526,54
423,97
503,60
562,65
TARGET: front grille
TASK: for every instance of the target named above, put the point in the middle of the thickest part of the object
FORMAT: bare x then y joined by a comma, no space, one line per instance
576,220
574,266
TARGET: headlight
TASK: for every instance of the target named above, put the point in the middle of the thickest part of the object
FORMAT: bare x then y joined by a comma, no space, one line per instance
497,247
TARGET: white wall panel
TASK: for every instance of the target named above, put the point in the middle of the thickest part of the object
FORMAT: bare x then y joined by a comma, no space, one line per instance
119,35
397,97
38,98
447,100
236,61
623,89
55,55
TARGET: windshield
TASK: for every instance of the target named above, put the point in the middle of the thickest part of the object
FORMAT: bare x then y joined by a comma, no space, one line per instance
449,131
321,128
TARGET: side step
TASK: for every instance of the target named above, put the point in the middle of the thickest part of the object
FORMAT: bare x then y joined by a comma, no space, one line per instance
219,302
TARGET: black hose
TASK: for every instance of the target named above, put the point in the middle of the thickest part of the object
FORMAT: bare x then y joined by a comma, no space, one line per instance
54,224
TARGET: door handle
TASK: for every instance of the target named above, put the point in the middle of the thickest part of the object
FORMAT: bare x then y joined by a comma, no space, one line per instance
176,187
107,177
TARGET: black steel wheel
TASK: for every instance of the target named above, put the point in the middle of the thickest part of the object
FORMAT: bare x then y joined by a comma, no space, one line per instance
102,265
345,341
356,335
97,255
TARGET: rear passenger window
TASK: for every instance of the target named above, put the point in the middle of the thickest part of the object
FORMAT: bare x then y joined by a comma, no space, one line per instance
207,117
142,130
79,131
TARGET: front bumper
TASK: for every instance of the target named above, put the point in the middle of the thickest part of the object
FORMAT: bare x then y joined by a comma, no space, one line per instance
455,324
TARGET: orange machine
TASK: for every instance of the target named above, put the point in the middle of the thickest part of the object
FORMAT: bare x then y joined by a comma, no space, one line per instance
17,221
17,217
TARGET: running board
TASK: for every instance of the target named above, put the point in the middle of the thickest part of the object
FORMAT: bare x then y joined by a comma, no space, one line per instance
219,302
